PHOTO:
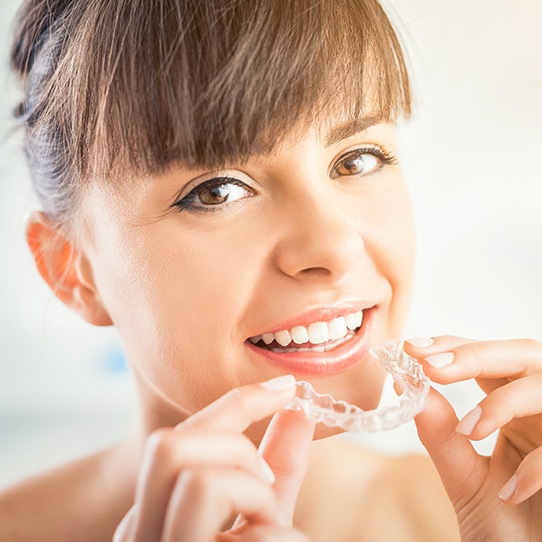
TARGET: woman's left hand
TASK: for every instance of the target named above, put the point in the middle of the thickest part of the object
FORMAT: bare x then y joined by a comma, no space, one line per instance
496,498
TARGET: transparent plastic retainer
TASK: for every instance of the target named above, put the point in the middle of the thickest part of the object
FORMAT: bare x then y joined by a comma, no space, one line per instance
407,374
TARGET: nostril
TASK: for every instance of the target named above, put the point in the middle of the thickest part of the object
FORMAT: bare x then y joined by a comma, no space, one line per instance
317,243
315,271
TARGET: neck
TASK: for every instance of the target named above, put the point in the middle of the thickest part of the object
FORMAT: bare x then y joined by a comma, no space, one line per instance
155,410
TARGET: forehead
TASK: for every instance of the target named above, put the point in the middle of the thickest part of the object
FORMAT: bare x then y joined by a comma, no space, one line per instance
332,132
209,89
324,138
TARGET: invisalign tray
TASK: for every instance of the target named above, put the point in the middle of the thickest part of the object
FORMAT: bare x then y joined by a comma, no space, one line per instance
407,374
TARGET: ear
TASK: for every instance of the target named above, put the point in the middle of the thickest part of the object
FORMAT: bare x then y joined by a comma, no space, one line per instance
65,269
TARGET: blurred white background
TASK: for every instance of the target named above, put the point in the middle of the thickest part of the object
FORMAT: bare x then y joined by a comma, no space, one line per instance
471,154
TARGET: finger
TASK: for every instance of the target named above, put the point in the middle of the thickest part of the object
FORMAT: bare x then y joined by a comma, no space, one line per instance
487,385
517,399
445,362
241,407
265,533
423,348
167,452
286,447
126,528
526,481
203,499
426,346
461,469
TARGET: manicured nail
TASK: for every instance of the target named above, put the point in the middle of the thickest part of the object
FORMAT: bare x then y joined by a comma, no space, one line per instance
440,360
468,423
267,471
422,342
509,488
279,383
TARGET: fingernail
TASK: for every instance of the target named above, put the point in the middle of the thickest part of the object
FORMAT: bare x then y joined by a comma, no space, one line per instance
509,488
267,471
440,360
422,342
279,383
468,423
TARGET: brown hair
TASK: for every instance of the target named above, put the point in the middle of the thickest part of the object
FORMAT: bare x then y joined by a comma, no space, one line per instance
134,85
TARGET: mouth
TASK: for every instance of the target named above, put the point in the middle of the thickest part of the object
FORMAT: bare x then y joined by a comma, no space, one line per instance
316,337
319,347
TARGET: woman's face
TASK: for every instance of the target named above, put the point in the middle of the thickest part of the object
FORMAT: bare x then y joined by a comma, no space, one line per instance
221,278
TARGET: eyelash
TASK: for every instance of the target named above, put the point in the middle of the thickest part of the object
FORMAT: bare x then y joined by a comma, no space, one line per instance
186,203
387,158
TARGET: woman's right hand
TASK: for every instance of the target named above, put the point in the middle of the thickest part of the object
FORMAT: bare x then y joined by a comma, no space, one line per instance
196,477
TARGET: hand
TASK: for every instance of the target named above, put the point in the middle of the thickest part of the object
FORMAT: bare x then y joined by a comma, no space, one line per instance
196,478
496,498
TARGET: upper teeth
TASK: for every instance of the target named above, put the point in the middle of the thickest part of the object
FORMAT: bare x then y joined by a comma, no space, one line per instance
315,333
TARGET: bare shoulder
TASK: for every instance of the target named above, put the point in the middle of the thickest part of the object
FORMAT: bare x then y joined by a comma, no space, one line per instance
81,501
352,493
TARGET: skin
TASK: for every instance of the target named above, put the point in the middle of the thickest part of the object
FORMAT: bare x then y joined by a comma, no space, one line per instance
510,372
303,241
185,307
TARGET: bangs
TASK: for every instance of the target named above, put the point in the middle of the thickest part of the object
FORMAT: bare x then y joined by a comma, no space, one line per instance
150,82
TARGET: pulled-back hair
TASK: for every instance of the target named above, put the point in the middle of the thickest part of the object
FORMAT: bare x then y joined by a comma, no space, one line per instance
132,86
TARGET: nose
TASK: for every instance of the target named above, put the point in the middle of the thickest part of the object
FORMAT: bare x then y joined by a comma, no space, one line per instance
319,241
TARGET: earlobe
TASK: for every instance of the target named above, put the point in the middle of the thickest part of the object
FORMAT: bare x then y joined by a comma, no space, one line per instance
65,269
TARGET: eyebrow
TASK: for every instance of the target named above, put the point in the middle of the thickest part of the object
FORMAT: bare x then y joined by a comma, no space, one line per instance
350,128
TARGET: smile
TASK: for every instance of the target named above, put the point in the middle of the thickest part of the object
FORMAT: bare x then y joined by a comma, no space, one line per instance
316,337
326,344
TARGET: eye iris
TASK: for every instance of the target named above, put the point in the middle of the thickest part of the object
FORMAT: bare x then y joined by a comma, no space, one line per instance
353,165
215,194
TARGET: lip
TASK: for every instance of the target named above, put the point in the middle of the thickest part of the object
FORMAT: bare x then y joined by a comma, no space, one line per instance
341,358
325,314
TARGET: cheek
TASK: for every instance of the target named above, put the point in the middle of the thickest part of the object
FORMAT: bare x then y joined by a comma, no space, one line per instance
391,245
401,261
177,301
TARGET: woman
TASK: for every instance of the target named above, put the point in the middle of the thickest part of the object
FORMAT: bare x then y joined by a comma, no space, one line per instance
219,181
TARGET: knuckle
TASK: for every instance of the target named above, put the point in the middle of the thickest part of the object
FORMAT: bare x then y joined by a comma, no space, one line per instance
476,349
531,345
233,396
246,446
241,398
159,445
197,482
205,487
478,352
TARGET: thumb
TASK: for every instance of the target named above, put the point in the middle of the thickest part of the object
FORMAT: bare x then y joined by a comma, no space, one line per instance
461,469
285,447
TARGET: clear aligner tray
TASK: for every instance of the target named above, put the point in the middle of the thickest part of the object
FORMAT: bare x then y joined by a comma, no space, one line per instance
407,374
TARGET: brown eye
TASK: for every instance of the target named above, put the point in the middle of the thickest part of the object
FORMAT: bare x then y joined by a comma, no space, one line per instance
215,193
356,163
